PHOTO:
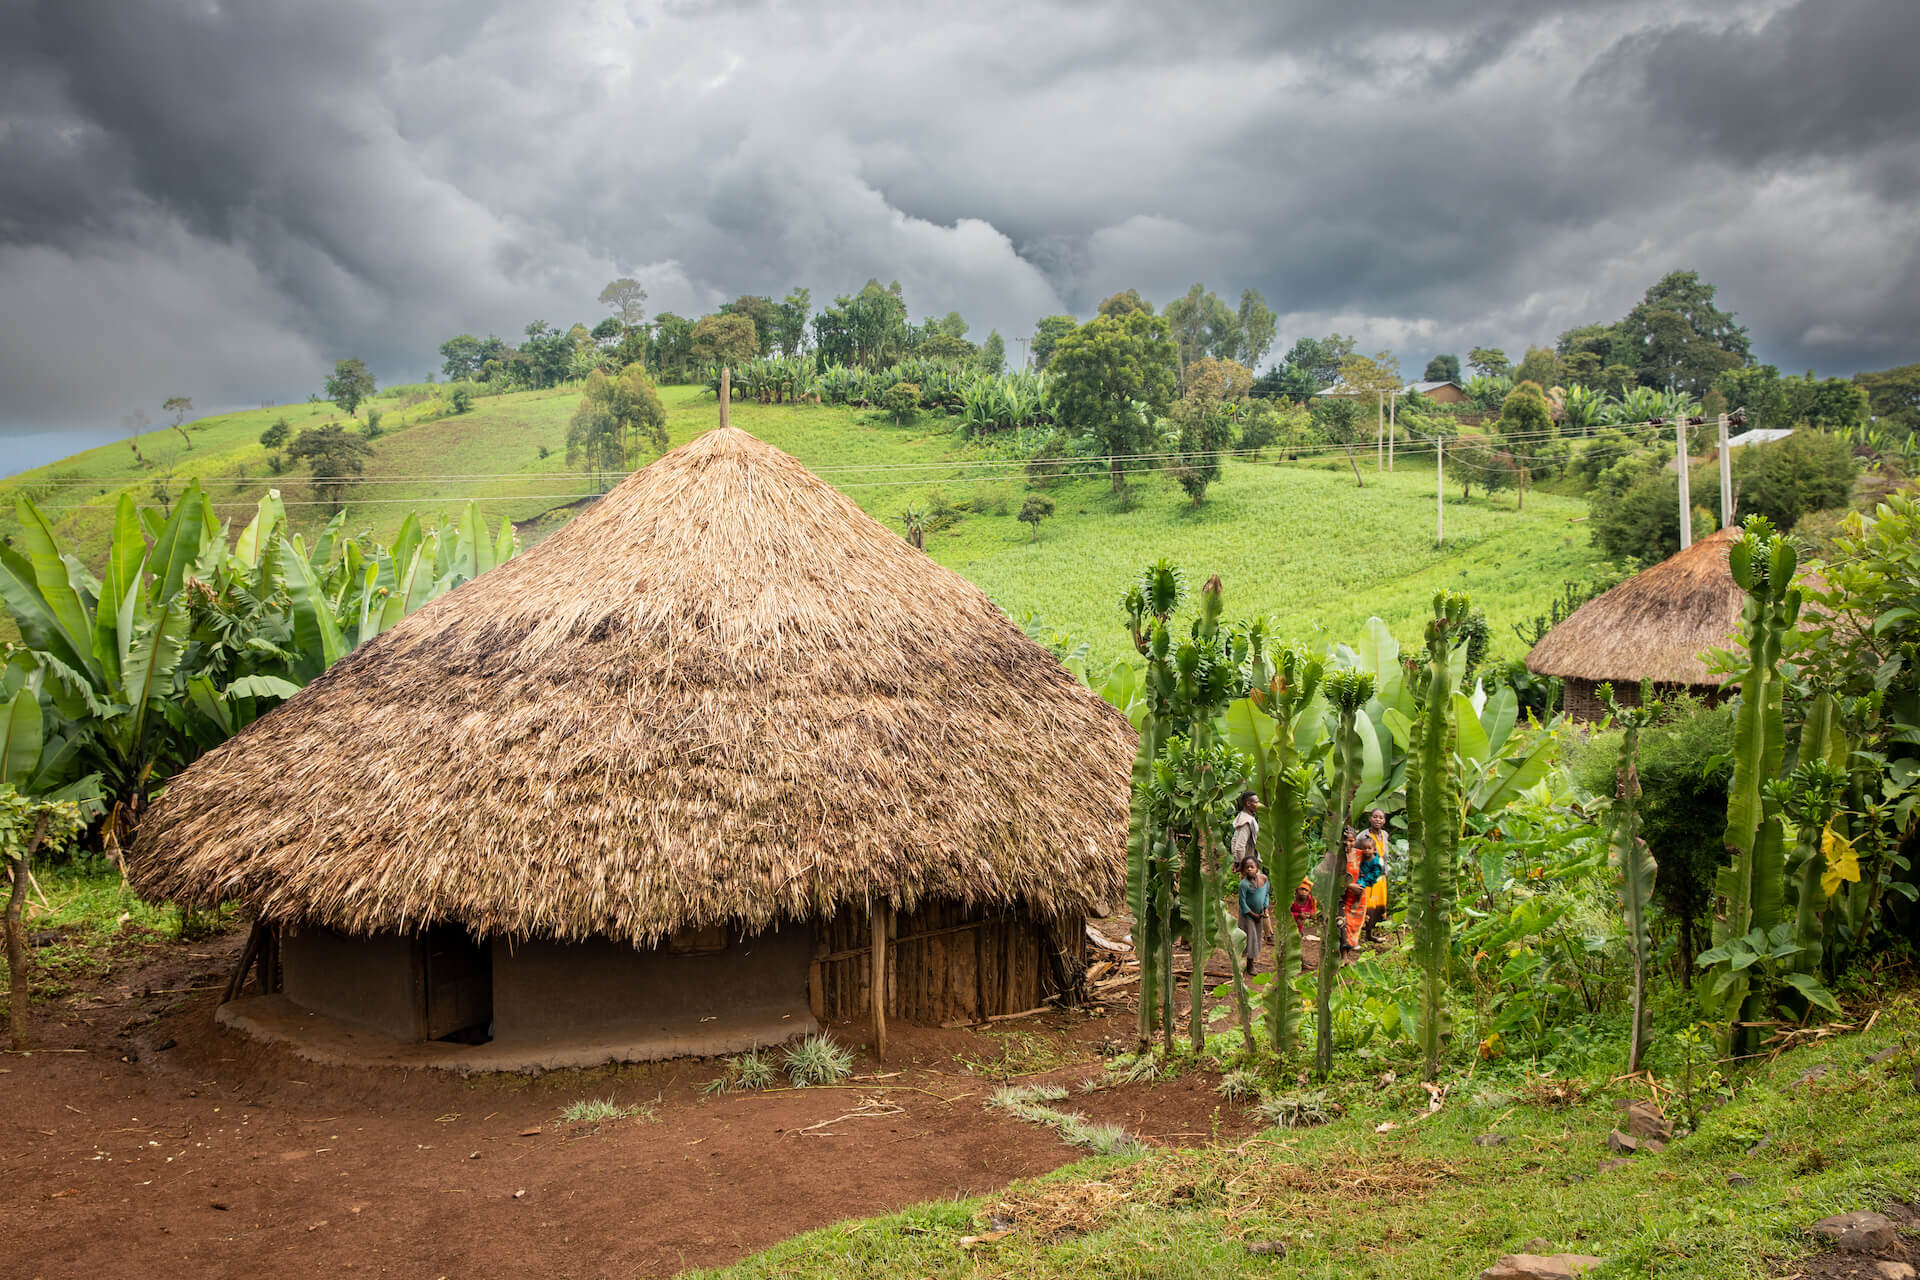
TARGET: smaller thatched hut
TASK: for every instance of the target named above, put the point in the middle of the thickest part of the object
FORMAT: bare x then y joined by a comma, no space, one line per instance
1654,626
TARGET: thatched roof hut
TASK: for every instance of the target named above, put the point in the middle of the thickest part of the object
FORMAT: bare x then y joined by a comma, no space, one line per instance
721,706
1654,626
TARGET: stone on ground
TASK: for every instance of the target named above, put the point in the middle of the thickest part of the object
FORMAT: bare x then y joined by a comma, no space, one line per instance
1892,1271
1534,1266
1618,1141
1644,1120
1858,1232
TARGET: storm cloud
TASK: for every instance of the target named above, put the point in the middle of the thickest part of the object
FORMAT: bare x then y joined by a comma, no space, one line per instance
221,199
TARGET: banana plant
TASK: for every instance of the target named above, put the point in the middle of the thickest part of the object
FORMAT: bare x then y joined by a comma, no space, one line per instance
1347,692
1752,885
1631,857
1434,818
1149,603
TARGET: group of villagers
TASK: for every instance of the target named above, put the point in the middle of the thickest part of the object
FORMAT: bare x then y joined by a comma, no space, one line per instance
1362,907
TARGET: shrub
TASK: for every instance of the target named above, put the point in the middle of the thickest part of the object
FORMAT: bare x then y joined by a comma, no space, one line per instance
1810,470
1036,508
462,397
817,1060
276,435
901,401
372,430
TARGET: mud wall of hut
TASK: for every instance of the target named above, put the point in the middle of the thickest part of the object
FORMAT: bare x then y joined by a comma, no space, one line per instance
946,963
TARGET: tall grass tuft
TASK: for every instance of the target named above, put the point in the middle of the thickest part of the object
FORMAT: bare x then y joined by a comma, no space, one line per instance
817,1060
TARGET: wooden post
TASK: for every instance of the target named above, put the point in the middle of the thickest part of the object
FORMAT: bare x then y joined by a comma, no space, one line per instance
1686,494
1379,429
1439,490
881,914
238,980
1393,417
726,393
1726,477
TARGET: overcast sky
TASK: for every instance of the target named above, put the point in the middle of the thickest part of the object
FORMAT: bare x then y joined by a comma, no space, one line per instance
220,199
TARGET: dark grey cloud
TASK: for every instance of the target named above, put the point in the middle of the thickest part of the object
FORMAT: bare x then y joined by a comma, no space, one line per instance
220,199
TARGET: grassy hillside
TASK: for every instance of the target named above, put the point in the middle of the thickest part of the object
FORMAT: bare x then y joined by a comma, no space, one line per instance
1298,541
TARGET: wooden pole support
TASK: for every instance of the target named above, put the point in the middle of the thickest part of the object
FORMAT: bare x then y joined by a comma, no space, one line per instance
726,394
1726,477
1686,495
1439,491
881,914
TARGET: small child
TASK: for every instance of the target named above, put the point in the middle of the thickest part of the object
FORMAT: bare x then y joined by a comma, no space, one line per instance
1372,871
1253,907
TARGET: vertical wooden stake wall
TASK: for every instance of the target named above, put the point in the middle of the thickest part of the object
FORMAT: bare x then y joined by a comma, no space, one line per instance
1726,477
1686,493
726,394
1439,491
881,914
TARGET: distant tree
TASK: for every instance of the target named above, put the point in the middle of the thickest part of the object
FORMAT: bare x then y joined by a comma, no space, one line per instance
1584,351
901,402
1219,380
1893,395
761,311
349,385
1490,362
546,355
993,354
790,318
1312,365
1202,325
276,435
1641,519
335,456
672,346
1443,368
868,329
179,407
1036,508
1811,470
628,301
1525,430
462,397
607,332
728,339
946,339
1112,377
1047,334
1757,389
1540,366
1257,323
1338,418
1617,379
1676,336
1831,403
1125,304
618,419
1206,433
462,356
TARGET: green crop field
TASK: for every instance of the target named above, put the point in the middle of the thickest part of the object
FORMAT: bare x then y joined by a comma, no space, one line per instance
1297,541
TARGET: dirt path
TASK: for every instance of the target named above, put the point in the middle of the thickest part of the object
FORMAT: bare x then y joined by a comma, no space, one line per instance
153,1142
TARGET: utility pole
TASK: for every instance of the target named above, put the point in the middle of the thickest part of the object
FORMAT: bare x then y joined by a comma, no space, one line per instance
1686,495
1379,430
1393,414
1726,477
1023,351
726,394
1439,490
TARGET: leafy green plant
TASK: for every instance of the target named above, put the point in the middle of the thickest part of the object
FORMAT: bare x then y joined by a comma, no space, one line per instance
1434,818
1346,691
817,1060
1631,857
1298,1110
584,1111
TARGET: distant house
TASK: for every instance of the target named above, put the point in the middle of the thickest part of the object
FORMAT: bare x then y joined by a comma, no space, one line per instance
1438,392
1759,435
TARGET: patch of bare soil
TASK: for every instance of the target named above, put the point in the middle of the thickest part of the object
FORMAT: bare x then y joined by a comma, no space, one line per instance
1837,1265
141,1137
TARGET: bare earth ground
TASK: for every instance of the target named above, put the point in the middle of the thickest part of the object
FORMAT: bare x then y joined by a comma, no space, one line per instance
139,1137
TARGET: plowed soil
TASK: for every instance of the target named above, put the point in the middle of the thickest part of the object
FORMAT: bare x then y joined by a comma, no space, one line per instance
139,1139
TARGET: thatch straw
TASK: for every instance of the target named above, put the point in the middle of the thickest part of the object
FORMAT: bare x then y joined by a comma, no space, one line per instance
1653,626
723,694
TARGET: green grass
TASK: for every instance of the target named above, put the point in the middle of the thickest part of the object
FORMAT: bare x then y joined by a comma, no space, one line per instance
1424,1201
602,1111
85,910
1298,542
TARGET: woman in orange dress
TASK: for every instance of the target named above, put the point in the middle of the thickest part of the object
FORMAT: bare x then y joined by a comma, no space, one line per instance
1373,844
1353,909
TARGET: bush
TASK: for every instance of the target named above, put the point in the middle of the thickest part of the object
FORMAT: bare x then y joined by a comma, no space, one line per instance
1036,508
276,435
901,401
462,397
1810,470
1685,769
373,431
1049,462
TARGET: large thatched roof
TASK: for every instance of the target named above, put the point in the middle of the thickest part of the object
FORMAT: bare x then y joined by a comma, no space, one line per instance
721,694
1654,626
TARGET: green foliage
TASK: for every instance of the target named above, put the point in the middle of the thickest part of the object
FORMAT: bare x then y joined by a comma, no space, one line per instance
618,417
462,398
817,1060
725,339
1434,804
350,385
901,401
1893,396
276,435
1346,692
1525,430
1442,368
1632,859
1110,379
335,456
1036,508
1811,470
1676,336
